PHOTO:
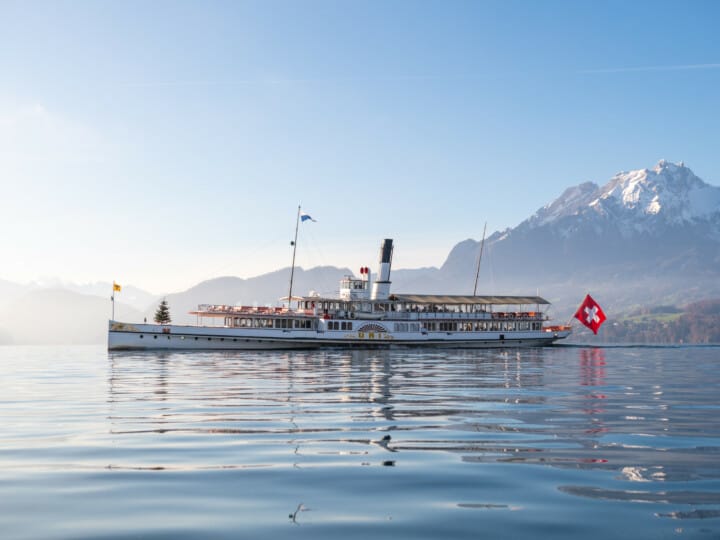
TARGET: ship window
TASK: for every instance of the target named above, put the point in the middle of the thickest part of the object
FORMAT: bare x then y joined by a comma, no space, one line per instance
299,323
154,337
141,336
196,338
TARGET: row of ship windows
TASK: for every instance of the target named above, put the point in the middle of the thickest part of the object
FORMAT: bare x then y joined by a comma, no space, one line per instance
338,325
407,327
427,326
430,326
240,322
482,326
453,326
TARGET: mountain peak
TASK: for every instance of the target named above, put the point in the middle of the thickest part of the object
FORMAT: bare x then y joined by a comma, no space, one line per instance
664,165
634,201
669,190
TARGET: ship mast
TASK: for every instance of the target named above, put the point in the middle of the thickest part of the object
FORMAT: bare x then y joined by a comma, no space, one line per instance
292,267
477,274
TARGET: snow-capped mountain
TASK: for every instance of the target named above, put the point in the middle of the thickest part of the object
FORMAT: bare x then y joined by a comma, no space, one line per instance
647,236
641,201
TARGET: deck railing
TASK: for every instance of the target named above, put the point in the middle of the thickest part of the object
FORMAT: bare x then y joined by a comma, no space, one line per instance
222,309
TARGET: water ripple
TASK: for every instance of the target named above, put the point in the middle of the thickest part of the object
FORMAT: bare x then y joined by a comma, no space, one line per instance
409,437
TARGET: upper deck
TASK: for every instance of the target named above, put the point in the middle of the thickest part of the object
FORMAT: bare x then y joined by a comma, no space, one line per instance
395,307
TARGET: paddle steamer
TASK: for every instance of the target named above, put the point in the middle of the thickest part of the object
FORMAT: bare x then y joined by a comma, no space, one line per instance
364,314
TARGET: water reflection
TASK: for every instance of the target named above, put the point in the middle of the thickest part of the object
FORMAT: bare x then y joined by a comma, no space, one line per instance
619,411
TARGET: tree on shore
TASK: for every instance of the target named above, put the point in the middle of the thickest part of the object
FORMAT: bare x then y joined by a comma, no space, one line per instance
162,314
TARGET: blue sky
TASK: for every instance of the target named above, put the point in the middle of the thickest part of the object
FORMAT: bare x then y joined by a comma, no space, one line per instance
163,143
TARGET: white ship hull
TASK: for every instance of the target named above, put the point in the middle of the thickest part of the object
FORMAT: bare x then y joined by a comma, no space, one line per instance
127,336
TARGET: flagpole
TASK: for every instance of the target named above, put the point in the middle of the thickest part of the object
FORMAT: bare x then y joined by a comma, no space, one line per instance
292,267
477,274
113,301
570,320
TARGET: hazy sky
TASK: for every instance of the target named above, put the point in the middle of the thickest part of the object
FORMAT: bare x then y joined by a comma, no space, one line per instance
161,143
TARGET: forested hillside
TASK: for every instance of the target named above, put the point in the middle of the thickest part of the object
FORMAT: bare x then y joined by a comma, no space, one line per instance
698,322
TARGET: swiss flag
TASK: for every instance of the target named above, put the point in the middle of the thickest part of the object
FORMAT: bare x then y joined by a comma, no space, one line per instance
590,314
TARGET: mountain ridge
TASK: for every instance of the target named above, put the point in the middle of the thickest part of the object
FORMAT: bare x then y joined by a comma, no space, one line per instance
668,194
645,237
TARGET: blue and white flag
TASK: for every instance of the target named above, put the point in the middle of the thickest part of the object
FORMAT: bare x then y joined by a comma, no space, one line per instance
304,217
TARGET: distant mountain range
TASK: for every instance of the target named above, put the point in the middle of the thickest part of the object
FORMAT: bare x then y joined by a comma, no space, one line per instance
645,238
55,312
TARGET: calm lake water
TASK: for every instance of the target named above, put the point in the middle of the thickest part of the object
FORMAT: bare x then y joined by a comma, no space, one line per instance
564,442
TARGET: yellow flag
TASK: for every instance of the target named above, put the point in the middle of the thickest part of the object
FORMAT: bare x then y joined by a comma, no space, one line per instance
116,287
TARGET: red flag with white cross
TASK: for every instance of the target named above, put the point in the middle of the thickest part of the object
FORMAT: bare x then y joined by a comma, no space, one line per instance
590,314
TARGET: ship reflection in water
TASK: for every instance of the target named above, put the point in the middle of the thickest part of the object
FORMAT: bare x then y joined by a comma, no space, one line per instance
635,417
402,444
